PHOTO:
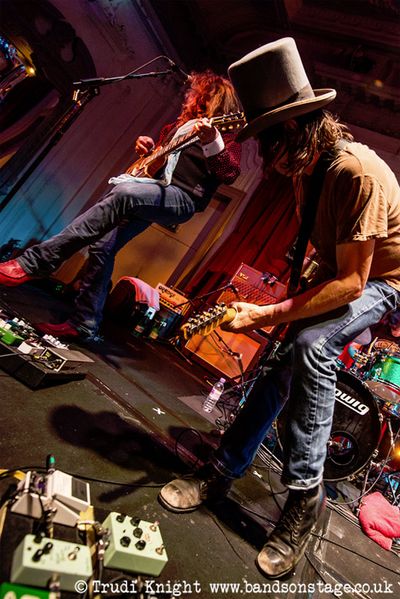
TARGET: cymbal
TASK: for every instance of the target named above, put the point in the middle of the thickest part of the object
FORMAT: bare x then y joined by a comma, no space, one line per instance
387,345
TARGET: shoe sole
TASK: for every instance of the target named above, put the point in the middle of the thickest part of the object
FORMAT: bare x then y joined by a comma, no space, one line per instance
61,337
176,510
13,282
43,330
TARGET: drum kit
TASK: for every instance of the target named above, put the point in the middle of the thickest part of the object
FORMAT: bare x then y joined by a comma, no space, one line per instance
366,420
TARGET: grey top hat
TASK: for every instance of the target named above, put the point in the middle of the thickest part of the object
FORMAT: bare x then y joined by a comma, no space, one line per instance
273,86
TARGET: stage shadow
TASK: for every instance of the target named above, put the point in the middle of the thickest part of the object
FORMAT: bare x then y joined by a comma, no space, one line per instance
193,446
249,509
252,529
119,442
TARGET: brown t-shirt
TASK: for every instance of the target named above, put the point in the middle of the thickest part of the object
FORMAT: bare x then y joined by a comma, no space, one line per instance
360,200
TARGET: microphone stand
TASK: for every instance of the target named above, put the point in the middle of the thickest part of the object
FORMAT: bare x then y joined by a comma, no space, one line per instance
99,81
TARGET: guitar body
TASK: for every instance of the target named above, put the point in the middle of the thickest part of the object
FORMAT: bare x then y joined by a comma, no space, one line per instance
146,168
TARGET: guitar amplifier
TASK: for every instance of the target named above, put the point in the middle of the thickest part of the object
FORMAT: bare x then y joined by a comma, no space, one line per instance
217,350
172,299
255,287
173,305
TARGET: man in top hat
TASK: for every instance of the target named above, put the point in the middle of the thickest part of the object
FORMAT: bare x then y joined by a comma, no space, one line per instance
356,231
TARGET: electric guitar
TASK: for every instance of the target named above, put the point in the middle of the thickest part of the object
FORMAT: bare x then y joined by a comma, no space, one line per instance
147,166
206,322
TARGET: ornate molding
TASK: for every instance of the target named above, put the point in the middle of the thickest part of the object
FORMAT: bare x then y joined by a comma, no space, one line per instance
355,26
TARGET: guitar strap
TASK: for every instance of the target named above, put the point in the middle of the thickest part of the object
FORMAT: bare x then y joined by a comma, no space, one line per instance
170,134
309,213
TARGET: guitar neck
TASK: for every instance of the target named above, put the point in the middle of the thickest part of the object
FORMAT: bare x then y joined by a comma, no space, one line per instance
174,144
206,322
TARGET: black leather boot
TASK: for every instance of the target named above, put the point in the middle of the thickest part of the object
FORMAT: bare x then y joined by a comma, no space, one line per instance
188,493
287,543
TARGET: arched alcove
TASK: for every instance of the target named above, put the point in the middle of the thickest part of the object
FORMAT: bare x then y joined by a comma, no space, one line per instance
41,57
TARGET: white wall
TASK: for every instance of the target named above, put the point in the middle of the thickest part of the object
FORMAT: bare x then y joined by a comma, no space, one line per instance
100,142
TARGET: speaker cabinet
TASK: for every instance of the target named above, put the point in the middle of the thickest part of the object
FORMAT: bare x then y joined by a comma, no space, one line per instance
218,351
254,287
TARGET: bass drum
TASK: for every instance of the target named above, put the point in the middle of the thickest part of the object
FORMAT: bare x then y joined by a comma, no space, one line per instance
356,429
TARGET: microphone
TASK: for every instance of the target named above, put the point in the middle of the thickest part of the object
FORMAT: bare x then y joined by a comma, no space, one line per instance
268,278
177,69
235,290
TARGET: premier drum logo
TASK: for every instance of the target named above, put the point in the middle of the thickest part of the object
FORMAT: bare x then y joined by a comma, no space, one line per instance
351,402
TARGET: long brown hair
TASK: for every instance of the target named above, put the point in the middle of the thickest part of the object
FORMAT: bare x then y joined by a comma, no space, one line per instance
208,95
316,132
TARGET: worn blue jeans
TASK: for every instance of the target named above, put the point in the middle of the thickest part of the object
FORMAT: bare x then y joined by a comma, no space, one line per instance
124,212
303,373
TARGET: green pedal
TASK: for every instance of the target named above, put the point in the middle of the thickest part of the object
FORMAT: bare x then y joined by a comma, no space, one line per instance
10,338
36,561
134,545
16,591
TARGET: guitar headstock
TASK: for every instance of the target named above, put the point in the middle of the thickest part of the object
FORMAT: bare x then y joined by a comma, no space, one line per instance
203,323
229,122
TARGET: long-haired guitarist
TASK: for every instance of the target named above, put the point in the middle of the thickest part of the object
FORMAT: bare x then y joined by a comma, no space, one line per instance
167,185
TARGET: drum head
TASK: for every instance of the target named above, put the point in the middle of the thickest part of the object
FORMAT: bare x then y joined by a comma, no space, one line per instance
355,429
384,378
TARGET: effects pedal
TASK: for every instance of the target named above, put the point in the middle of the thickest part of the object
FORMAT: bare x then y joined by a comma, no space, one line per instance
68,495
38,560
16,591
134,545
37,360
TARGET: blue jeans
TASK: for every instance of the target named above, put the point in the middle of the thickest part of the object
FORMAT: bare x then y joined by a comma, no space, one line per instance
303,373
124,212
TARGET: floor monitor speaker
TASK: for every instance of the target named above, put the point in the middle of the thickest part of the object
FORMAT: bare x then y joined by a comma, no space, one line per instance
218,351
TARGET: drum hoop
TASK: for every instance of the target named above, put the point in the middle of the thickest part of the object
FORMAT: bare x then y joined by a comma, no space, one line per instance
387,383
388,358
360,386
